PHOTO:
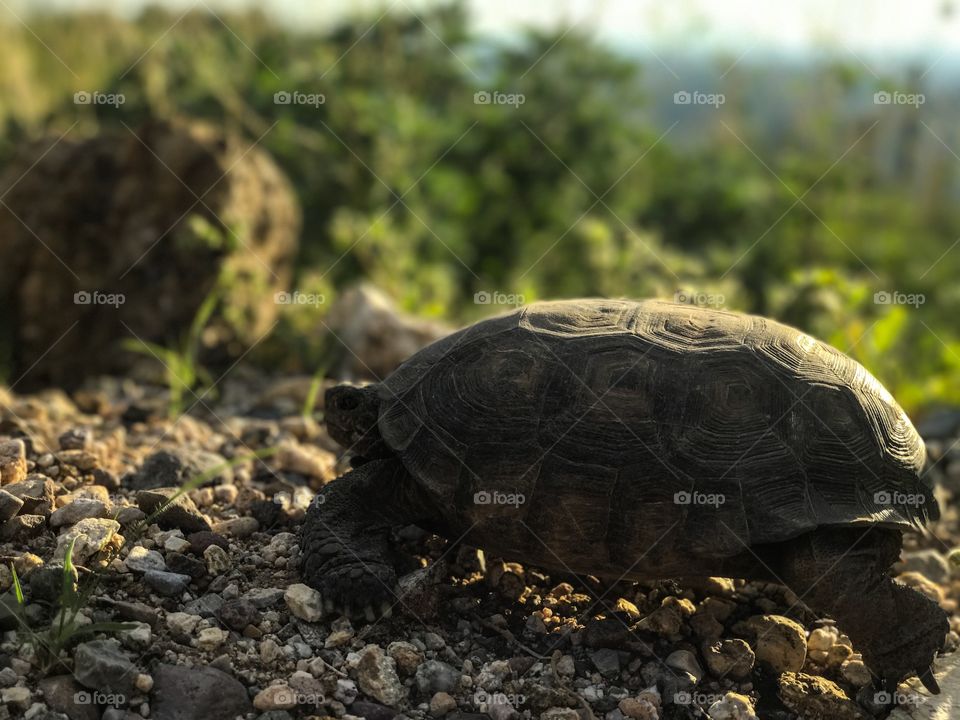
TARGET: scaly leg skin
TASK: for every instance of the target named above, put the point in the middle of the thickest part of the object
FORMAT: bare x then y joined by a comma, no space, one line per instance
897,629
344,539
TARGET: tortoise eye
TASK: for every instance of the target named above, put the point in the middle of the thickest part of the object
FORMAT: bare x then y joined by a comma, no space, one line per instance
348,402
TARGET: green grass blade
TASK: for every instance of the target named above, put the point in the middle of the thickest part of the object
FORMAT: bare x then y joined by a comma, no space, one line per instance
17,588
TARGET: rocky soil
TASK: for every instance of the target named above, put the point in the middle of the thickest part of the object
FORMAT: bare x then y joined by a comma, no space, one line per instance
220,626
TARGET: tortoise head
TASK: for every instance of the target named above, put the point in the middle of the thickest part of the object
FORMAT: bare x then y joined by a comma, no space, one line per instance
907,639
351,414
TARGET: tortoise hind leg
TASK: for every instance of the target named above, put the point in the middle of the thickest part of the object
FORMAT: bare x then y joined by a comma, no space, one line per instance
344,547
843,572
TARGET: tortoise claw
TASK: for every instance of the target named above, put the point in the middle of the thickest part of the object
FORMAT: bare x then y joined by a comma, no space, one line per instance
929,681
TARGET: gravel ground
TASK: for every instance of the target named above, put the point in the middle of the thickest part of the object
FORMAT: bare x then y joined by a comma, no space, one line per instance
221,626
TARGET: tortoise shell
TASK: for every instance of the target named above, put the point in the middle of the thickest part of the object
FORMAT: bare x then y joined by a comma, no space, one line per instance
742,430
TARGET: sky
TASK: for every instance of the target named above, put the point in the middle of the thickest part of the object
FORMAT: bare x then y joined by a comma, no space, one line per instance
873,27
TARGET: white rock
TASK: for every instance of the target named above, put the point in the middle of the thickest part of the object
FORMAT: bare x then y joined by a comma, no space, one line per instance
304,602
80,509
823,638
140,636
732,706
139,559
16,697
176,544
182,623
92,535
217,559
211,638
346,691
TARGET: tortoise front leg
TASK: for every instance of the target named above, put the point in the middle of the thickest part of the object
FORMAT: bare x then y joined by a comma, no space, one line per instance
843,572
344,539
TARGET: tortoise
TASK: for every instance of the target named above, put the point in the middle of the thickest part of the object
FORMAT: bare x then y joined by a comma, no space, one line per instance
638,440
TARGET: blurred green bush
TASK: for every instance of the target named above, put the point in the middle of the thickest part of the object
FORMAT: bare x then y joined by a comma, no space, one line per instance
406,180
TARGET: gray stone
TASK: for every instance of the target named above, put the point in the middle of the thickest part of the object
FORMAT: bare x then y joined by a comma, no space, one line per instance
136,611
9,505
372,711
237,614
206,605
23,527
140,559
173,469
377,676
197,693
76,439
607,662
180,513
263,598
166,583
37,493
46,583
186,565
434,676
304,602
58,694
77,510
102,665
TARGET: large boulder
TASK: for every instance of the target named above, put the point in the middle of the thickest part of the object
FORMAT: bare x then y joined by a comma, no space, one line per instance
124,234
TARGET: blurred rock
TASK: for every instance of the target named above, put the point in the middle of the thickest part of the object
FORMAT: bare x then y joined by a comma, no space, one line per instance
13,461
929,563
378,335
137,226
172,469
180,511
